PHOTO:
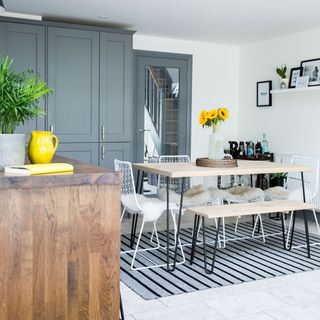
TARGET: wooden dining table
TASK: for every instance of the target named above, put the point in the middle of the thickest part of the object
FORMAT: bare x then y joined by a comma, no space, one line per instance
189,170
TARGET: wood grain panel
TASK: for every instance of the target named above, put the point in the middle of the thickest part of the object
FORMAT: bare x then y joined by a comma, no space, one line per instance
60,253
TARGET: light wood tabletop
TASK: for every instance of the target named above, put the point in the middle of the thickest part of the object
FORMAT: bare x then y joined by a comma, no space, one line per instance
245,167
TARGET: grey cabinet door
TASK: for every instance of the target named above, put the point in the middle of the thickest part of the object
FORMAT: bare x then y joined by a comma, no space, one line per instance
25,44
110,151
115,87
85,152
73,72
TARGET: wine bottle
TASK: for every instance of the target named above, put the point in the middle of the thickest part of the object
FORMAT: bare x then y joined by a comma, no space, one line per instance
258,148
264,144
250,149
242,151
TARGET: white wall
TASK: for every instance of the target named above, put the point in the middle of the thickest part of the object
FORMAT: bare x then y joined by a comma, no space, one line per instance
293,122
214,82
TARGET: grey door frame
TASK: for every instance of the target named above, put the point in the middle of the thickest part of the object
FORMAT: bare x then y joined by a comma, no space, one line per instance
138,54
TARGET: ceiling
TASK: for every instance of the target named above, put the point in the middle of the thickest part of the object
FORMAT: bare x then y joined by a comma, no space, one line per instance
222,21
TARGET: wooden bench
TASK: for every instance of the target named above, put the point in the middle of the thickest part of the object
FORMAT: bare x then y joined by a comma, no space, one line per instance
241,209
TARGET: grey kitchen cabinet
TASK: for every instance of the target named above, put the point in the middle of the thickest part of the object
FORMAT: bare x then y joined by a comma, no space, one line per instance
115,87
90,71
85,152
73,72
110,151
25,44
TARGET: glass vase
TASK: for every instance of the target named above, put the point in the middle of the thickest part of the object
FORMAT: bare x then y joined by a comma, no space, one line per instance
216,145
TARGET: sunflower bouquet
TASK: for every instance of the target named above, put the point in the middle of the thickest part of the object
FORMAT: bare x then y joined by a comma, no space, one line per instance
213,118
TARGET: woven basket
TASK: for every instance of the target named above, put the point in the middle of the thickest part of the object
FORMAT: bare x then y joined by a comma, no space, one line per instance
224,163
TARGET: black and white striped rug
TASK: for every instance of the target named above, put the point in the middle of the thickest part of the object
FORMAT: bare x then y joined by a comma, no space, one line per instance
241,261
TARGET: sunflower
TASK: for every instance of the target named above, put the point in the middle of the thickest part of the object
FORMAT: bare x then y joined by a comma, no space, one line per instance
213,114
223,114
203,117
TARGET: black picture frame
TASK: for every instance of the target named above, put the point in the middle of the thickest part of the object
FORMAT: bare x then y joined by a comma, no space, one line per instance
264,97
294,72
311,68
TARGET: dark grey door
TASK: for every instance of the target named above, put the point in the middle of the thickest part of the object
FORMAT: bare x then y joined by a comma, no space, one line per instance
162,103
115,87
73,72
26,45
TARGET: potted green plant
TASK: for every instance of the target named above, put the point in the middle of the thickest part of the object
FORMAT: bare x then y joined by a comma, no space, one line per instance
282,73
278,179
19,102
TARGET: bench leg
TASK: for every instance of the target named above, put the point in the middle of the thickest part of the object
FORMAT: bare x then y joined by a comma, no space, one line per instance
210,270
292,223
194,236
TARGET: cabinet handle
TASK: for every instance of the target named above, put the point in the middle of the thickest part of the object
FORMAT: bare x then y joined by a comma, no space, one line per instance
103,132
51,128
103,152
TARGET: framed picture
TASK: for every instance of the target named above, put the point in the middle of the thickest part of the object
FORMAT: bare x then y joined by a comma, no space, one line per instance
264,98
311,68
294,74
302,82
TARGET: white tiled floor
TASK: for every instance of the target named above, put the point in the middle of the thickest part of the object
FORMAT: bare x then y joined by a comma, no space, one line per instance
292,297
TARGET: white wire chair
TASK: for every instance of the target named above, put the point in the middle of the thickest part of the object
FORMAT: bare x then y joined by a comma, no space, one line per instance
174,183
176,186
150,209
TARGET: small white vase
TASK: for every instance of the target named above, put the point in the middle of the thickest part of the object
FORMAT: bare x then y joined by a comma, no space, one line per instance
284,83
216,145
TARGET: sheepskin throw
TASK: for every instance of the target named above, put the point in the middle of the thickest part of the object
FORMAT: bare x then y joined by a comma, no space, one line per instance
198,194
244,194
151,208
280,193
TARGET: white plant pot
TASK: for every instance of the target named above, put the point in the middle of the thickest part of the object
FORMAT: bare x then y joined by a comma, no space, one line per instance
284,83
12,149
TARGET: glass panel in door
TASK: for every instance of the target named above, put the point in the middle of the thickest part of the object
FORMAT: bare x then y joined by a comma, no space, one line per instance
161,111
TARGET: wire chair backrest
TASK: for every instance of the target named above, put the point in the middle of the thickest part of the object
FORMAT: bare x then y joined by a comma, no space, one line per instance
283,157
175,183
128,186
311,179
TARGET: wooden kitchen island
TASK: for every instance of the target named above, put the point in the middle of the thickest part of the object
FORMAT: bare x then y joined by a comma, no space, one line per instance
60,245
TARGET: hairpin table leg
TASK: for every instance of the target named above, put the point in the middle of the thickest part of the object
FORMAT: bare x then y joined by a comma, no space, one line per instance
194,238
178,226
305,217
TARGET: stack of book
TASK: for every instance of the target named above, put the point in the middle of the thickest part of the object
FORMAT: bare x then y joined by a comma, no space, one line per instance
39,169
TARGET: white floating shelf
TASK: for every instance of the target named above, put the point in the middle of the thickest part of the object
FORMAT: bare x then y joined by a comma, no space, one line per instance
295,90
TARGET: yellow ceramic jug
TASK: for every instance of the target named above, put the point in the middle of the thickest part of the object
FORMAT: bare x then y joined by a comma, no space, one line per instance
42,146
